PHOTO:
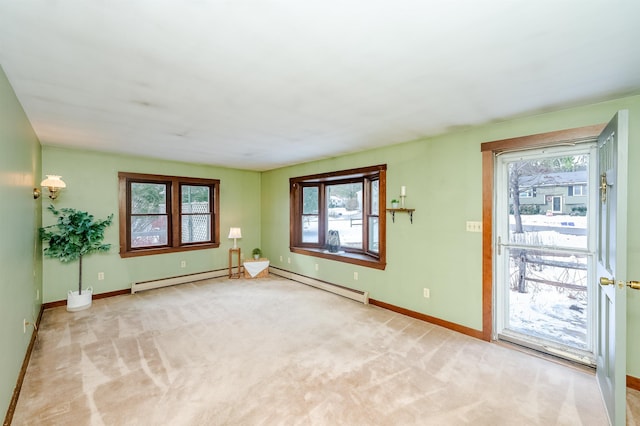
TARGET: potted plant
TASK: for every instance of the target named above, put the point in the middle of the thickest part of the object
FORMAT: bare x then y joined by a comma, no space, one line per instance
75,235
395,203
257,253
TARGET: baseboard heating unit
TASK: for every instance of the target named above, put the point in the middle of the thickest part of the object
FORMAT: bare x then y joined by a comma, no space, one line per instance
357,295
181,279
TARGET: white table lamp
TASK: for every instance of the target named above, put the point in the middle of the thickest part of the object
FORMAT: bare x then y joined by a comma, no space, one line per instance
235,233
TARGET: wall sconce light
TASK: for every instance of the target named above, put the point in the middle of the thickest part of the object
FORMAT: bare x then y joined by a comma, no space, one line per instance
235,233
54,184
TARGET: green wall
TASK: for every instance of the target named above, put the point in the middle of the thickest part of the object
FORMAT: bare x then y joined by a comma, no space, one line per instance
20,259
443,176
443,179
92,185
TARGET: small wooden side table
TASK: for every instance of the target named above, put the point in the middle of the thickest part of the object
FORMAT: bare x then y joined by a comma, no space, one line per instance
258,267
233,274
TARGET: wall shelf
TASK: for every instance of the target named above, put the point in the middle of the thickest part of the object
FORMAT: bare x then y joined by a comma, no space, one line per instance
393,213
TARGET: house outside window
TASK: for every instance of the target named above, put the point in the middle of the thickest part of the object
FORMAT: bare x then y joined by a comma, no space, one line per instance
553,192
162,214
337,216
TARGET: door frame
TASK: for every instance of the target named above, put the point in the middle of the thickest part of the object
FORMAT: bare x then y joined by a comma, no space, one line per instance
553,203
489,151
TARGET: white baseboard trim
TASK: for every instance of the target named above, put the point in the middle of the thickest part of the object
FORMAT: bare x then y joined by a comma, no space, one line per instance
357,295
181,279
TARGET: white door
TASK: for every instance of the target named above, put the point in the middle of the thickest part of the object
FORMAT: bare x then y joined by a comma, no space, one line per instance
611,261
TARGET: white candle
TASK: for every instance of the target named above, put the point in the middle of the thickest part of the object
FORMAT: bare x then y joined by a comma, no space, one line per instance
403,190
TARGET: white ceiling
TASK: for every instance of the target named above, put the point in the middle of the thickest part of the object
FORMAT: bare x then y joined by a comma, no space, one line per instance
259,84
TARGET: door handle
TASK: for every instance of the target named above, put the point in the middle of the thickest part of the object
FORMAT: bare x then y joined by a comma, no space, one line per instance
603,188
634,285
631,284
606,281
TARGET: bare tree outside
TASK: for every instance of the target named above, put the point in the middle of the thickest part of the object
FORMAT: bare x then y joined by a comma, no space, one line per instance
525,177
543,202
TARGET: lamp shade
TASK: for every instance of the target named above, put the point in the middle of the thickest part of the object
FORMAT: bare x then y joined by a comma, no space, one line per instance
235,233
53,181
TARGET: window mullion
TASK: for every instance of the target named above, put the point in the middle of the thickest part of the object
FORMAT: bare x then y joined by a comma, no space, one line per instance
322,215
366,212
127,234
174,212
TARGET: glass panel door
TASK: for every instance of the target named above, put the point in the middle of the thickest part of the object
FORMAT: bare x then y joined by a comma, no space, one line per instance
545,252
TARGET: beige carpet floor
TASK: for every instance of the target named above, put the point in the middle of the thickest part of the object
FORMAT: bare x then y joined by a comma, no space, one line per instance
275,352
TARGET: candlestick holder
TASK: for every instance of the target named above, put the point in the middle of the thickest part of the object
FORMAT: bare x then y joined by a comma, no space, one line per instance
402,197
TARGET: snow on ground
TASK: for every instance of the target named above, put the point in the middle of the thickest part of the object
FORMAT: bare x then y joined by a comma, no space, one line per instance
347,223
547,311
554,221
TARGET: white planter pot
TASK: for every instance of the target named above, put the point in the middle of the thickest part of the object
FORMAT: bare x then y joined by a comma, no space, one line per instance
78,302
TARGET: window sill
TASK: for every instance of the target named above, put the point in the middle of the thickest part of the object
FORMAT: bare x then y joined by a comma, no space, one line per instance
346,257
163,250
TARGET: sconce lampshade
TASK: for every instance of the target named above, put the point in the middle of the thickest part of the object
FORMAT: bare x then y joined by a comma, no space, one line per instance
235,233
53,183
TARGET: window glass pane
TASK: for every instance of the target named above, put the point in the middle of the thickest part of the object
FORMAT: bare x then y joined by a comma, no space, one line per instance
579,190
344,207
310,229
547,295
148,198
195,199
374,245
310,200
545,212
147,231
375,196
196,228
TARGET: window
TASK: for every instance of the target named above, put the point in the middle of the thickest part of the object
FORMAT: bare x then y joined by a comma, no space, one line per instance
163,214
578,190
528,193
337,216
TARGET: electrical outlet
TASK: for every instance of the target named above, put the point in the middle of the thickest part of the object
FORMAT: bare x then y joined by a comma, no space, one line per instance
288,260
24,326
426,293
317,267
183,263
38,294
474,226
355,276
100,276
280,258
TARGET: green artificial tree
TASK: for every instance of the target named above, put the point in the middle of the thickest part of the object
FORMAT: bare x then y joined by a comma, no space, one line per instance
75,235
